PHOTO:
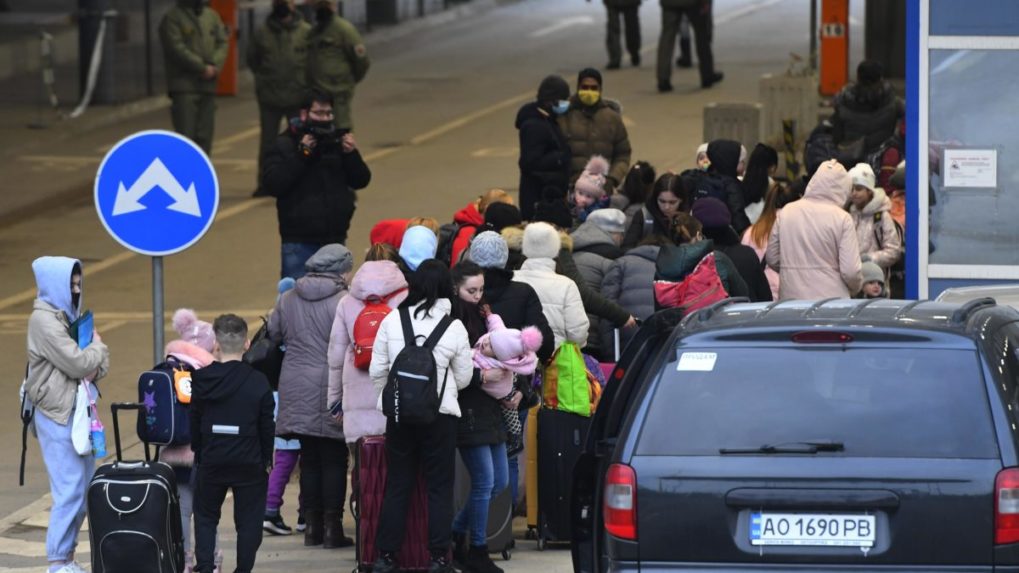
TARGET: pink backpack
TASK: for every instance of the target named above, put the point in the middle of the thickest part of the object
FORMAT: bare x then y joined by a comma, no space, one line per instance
699,289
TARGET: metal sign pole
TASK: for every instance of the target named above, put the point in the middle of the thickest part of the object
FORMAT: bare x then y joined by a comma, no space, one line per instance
157,309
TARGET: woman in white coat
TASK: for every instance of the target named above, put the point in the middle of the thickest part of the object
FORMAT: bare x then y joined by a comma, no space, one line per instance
433,445
560,297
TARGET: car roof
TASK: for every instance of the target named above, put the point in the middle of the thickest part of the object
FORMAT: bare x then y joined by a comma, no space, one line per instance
959,318
1003,293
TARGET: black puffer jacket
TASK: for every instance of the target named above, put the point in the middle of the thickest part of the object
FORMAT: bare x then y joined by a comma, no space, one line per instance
544,156
315,198
869,113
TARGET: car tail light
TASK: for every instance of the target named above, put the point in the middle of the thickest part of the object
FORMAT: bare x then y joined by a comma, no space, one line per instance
1006,506
822,337
621,502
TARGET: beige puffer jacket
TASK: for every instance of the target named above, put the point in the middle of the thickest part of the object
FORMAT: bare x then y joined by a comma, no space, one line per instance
875,230
813,244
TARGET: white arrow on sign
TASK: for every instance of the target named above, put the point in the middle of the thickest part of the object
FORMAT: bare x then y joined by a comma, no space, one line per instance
157,175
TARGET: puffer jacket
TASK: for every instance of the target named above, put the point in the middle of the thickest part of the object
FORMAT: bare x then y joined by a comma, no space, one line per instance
597,130
813,244
302,320
675,262
593,252
724,155
190,43
629,283
560,300
346,381
869,114
544,156
519,307
746,261
55,363
875,230
452,353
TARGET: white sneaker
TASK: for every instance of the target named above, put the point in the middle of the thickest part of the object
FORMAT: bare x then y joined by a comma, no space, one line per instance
71,567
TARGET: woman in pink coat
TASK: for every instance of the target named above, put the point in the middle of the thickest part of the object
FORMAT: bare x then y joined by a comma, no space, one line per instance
348,384
813,244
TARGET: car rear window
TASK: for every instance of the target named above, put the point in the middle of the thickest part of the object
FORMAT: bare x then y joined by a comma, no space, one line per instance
879,402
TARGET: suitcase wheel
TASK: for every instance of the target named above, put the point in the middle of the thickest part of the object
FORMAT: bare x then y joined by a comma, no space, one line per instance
541,543
532,533
506,555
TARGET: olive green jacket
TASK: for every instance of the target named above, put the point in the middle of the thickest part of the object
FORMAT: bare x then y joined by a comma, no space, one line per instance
278,56
596,130
191,42
337,58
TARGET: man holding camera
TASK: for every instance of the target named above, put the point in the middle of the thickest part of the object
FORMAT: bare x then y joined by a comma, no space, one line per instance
313,170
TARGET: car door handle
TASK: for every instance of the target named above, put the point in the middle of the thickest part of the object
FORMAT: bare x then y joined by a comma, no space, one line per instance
813,498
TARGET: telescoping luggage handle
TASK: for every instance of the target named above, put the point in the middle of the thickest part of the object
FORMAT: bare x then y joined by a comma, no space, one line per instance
115,408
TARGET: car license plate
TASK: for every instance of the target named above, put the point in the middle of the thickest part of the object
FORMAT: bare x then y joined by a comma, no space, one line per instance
812,529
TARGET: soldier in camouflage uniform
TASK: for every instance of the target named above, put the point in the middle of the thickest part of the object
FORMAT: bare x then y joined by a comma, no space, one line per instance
337,60
194,44
278,55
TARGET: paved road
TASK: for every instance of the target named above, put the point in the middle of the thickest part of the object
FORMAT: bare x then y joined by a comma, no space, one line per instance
435,122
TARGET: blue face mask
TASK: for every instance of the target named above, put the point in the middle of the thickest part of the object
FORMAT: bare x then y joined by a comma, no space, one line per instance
562,107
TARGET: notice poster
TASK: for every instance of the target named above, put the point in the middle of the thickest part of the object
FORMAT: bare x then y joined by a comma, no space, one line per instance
976,168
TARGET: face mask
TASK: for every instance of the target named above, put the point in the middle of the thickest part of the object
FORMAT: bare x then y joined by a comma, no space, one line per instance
562,107
323,15
589,97
280,11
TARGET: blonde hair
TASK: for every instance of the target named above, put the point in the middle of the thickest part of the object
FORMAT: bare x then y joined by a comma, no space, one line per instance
493,196
427,222
382,252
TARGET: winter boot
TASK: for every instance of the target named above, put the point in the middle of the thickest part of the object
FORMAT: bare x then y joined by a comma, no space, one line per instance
386,563
459,550
440,564
313,534
478,561
332,531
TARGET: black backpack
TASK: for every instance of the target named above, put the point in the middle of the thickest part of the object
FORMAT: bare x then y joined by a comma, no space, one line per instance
411,395
447,236
703,184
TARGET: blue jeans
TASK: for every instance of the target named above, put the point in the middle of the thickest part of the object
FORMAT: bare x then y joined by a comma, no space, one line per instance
293,257
69,475
489,475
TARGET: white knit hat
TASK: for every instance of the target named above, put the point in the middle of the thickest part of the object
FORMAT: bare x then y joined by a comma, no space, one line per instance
863,174
541,241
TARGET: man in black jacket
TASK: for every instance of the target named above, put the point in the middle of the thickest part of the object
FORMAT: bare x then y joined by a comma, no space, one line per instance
544,153
721,181
232,432
313,170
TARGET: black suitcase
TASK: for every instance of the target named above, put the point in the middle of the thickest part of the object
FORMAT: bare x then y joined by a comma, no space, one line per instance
560,437
499,536
134,514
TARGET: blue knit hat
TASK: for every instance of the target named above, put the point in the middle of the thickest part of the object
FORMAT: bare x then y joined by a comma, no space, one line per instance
489,250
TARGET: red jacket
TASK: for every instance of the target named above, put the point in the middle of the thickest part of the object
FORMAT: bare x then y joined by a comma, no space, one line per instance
469,220
389,231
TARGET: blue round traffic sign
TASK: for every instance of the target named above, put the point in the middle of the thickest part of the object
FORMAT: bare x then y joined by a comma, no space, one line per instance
156,192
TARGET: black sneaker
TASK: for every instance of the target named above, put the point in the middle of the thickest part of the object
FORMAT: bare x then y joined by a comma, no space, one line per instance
612,65
274,524
686,62
385,564
635,60
301,524
664,87
712,80
439,565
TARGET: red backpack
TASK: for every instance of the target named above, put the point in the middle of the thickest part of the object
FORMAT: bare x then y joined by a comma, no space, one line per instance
366,327
699,289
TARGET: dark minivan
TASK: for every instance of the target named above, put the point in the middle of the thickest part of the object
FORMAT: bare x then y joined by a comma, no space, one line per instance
836,435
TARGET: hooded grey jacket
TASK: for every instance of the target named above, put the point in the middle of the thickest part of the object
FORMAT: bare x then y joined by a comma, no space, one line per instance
629,283
302,320
593,252
55,363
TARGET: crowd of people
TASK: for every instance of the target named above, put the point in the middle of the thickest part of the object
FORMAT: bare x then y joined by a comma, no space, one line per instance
494,291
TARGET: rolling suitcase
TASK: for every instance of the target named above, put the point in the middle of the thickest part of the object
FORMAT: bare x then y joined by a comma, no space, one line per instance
370,468
531,471
134,514
499,536
560,438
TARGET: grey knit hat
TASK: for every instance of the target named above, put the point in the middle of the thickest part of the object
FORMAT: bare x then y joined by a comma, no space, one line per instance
489,250
332,258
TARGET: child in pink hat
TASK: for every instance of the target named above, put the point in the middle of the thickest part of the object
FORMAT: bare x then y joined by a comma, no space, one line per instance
501,354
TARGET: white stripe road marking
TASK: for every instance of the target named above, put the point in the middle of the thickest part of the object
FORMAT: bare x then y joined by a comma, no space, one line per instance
725,18
562,25
23,548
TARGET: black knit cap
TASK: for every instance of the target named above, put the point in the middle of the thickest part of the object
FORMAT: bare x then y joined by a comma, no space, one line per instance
869,72
589,73
553,209
553,88
498,216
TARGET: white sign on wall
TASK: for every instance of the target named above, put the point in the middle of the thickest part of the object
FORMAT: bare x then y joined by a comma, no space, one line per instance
976,168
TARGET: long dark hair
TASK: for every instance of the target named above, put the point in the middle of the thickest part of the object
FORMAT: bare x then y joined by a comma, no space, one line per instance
755,181
638,182
668,182
429,283
468,313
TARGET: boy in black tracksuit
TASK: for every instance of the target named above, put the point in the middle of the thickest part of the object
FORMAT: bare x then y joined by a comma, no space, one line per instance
232,433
